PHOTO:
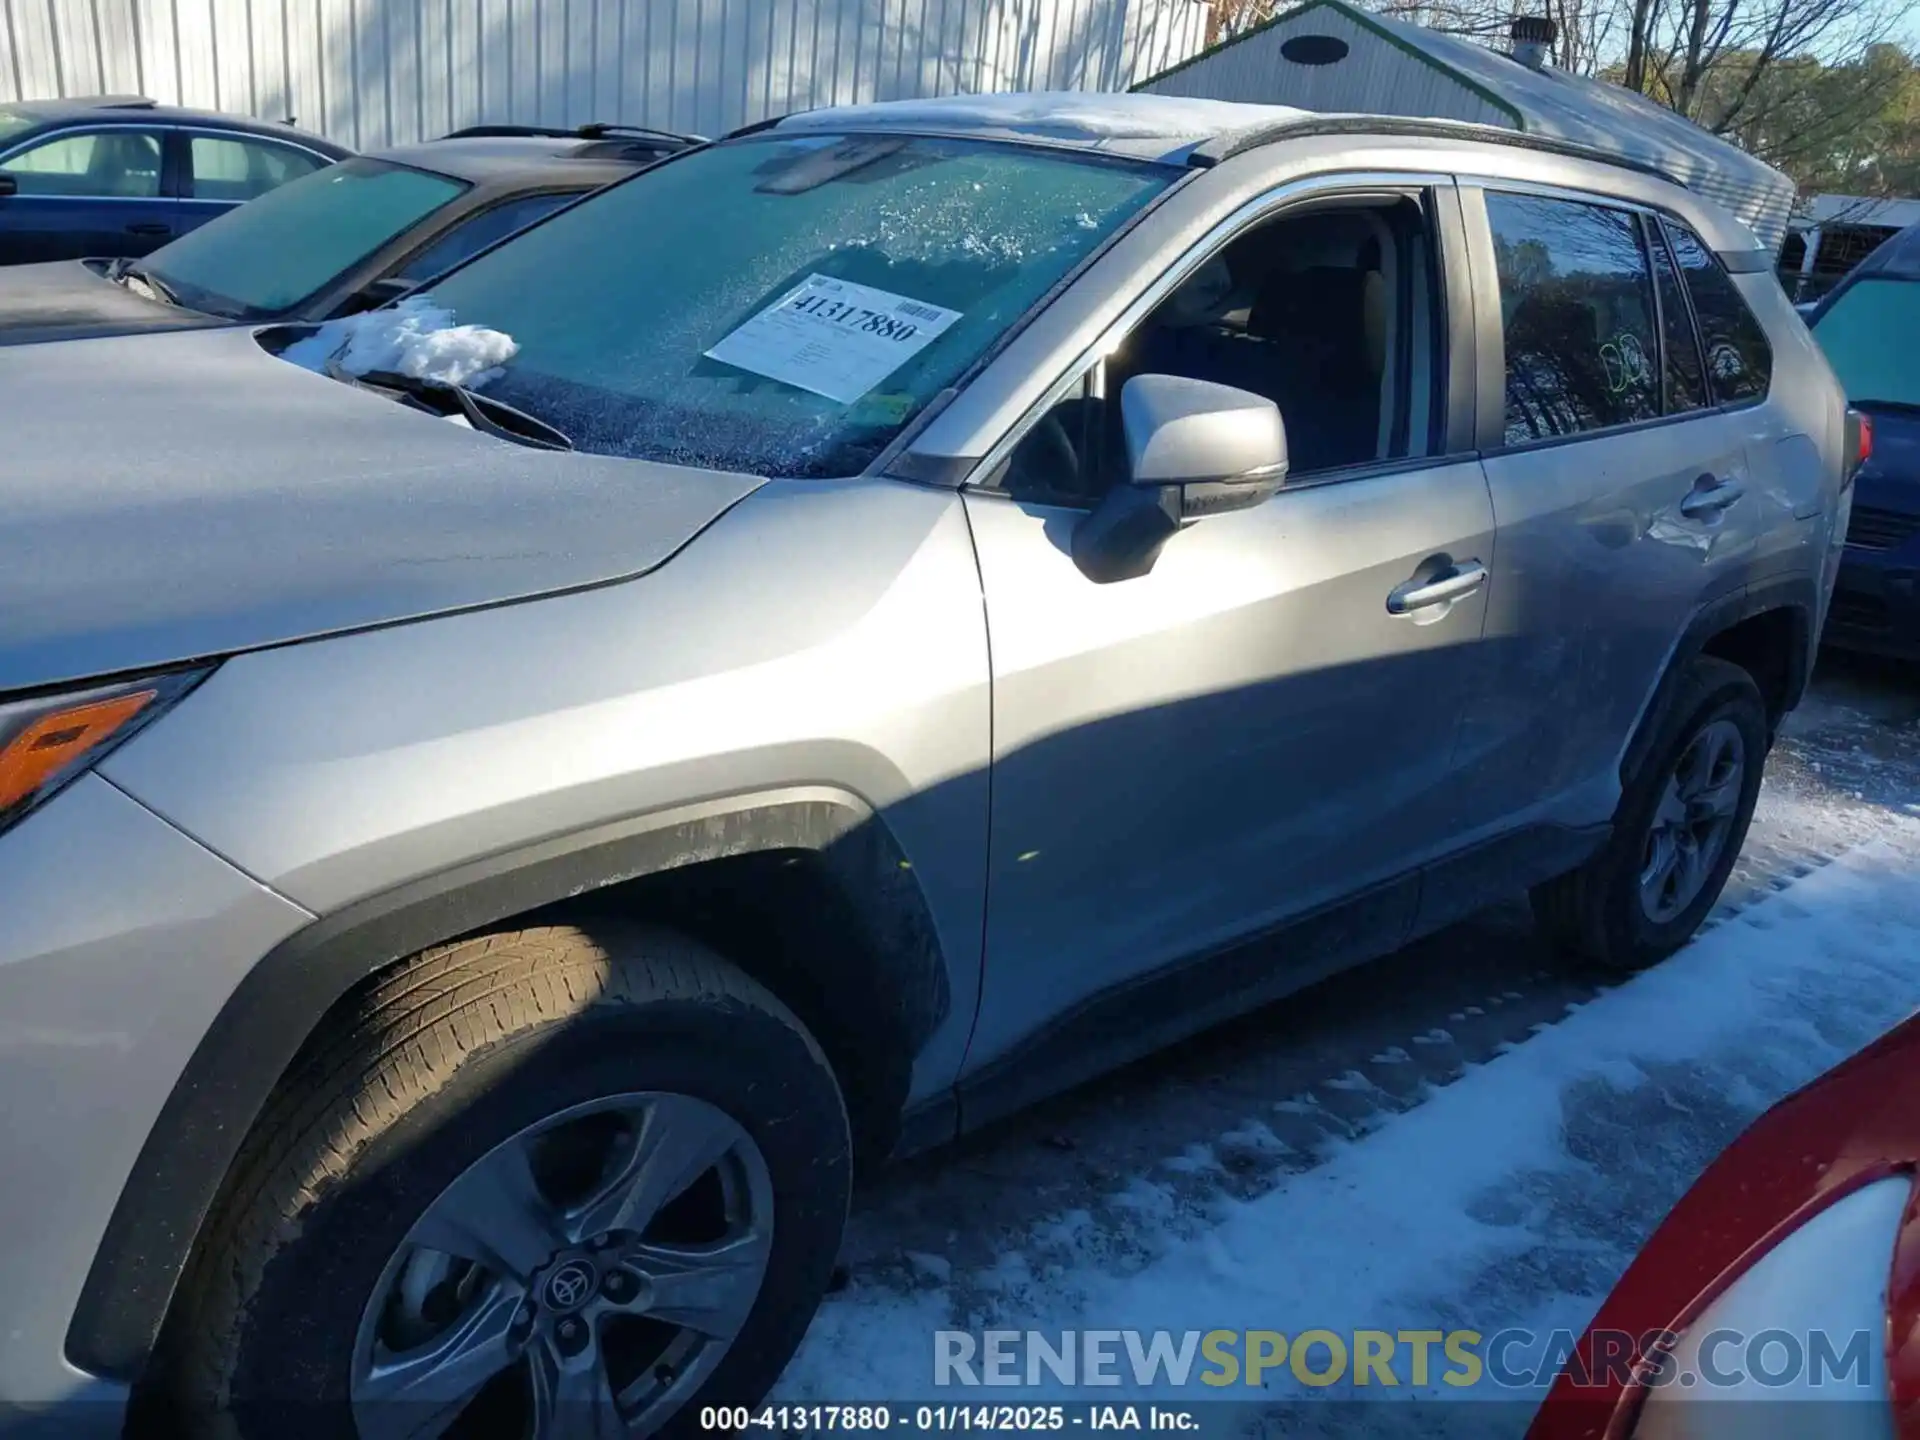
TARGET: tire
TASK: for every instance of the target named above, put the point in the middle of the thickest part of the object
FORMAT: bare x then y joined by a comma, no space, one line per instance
1598,912
448,1067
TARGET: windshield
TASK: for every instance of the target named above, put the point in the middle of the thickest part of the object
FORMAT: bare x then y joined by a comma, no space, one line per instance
12,123
784,306
273,252
1868,336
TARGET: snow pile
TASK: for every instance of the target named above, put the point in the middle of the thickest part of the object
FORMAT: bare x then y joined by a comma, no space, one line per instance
1513,1196
1057,115
415,337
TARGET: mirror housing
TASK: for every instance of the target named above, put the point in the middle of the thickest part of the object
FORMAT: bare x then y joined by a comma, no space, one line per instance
8,185
1194,449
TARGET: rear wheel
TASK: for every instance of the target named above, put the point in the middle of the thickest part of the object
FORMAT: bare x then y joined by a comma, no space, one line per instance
535,1185
1682,819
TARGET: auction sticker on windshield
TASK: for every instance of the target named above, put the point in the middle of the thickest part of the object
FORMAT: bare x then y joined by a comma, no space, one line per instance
834,337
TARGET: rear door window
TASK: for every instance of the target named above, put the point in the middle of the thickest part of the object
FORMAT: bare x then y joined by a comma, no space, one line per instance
1577,313
1739,359
235,169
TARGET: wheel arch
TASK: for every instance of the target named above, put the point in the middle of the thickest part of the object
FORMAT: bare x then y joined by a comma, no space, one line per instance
1766,628
816,868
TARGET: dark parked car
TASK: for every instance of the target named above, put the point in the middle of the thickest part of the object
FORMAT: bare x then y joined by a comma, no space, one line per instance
1868,326
340,240
118,175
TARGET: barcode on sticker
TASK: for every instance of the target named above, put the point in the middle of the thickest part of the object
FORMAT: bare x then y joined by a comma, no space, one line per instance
920,312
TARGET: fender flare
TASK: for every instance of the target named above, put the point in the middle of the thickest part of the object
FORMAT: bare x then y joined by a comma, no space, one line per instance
1798,594
259,1031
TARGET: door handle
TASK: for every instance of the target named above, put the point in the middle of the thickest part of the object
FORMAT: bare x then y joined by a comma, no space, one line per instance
1710,496
149,227
1463,579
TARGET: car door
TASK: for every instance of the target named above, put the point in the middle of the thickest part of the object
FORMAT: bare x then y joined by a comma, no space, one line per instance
1257,728
221,170
1624,497
84,192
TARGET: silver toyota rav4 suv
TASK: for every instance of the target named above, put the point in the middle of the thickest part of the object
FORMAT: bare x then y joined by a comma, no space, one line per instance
924,603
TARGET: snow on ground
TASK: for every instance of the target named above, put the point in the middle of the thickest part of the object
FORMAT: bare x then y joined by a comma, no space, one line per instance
1511,1192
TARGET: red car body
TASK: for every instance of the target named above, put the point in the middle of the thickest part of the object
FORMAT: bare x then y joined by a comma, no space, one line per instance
1856,1125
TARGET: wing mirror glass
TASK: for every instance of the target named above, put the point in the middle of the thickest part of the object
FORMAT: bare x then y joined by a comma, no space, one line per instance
1194,449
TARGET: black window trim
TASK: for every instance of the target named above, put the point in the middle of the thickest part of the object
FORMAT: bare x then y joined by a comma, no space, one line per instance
1658,224
1492,337
1667,222
1428,189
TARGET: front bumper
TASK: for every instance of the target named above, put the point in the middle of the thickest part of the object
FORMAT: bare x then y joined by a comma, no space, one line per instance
120,939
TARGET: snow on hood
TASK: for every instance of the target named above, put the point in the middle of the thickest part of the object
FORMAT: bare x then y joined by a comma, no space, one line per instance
413,337
168,497
1057,115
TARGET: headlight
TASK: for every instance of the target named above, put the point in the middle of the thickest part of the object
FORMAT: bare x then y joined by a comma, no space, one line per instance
1821,1289
48,740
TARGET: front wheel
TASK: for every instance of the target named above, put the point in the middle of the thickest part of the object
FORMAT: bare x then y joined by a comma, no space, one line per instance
1681,822
532,1186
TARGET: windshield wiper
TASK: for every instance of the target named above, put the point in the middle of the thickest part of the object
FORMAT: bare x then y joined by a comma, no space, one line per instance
490,416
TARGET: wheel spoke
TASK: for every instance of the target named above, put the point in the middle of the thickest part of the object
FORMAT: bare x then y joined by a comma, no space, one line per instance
679,1140
574,1399
495,1215
419,1393
1659,867
1714,801
1686,873
709,1289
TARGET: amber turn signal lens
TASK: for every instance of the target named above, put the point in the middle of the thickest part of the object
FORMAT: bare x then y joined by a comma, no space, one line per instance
59,738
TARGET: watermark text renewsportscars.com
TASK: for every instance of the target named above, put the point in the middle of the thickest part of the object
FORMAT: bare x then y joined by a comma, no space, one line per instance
1225,1361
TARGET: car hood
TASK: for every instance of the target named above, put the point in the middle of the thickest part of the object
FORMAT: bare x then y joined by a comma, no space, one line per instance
70,300
171,497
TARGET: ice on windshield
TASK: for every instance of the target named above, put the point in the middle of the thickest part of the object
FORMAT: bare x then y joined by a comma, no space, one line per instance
621,303
414,337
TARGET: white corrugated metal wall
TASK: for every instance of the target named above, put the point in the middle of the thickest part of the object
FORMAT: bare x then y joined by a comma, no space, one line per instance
374,72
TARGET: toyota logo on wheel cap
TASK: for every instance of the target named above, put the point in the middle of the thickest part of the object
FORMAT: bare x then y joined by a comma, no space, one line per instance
570,1285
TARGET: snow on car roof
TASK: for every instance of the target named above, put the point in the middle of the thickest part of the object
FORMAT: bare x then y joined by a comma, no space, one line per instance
1152,126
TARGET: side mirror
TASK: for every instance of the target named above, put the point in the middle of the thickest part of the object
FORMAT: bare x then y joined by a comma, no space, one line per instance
8,185
1194,449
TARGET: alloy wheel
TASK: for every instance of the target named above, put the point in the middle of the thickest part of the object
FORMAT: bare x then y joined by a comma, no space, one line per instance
1695,816
583,1278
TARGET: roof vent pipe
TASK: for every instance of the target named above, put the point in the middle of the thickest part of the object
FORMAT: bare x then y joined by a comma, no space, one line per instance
1533,37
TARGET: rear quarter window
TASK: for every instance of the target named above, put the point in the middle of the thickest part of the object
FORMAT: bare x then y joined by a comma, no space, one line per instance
1738,355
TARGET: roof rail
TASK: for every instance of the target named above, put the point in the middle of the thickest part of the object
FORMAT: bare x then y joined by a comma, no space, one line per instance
597,130
119,102
1224,147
